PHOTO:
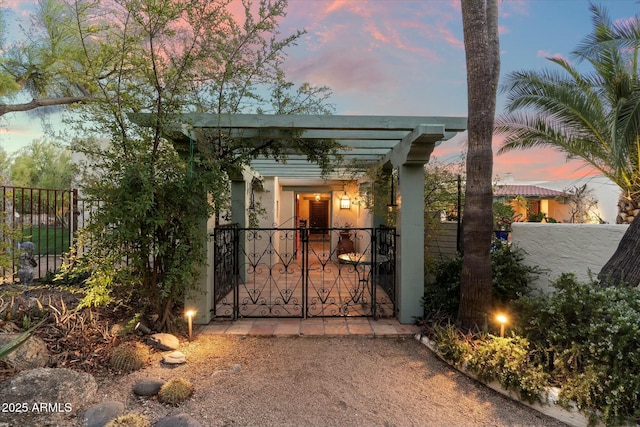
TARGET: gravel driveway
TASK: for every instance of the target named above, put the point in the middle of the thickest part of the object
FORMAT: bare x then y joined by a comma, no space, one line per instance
323,381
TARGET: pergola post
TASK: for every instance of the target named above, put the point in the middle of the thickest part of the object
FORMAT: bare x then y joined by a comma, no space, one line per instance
410,243
200,298
239,202
410,156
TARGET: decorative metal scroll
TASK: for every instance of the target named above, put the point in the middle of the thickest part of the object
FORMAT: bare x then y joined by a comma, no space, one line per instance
303,272
225,260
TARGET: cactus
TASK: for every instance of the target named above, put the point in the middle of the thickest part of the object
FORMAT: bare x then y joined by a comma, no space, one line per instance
129,420
175,391
129,356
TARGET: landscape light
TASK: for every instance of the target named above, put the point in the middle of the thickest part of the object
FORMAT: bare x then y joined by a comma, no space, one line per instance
190,314
502,319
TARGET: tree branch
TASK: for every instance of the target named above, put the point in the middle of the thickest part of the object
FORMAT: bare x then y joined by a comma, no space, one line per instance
44,102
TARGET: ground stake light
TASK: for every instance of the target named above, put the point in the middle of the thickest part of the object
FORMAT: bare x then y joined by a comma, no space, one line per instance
190,314
502,319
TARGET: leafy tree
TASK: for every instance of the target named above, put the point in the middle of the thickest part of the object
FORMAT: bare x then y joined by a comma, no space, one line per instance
592,116
156,180
480,25
43,164
4,163
47,67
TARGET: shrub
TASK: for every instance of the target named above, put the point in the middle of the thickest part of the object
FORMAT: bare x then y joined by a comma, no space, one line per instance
511,280
592,333
175,391
490,358
129,356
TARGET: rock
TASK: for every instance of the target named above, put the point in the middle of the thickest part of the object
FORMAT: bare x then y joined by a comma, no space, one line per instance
236,368
51,396
100,414
174,358
164,341
147,387
30,355
180,420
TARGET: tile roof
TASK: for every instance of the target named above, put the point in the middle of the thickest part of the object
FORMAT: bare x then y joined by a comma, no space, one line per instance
526,191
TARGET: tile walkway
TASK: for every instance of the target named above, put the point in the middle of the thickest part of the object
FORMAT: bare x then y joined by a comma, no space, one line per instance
330,327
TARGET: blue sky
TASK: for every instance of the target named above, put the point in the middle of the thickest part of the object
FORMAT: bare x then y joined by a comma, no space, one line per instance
406,57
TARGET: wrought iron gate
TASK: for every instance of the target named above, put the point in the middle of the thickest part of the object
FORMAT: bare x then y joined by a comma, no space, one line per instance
304,272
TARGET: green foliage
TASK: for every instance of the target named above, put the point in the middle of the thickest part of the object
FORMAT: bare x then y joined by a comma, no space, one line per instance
452,345
511,280
593,336
156,180
175,391
43,164
129,356
129,420
490,358
10,236
507,360
503,216
15,343
548,108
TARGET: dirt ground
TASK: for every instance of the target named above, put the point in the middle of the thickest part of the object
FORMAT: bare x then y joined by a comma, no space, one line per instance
321,381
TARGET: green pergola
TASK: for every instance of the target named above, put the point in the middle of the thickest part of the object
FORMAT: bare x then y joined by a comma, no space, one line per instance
404,143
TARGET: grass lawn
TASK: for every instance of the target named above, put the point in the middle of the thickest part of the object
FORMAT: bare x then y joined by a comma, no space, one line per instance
48,240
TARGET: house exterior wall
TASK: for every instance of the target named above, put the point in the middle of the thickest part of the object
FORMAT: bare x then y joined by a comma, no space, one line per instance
566,248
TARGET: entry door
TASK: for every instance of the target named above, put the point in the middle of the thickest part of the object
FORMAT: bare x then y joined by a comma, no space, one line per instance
318,214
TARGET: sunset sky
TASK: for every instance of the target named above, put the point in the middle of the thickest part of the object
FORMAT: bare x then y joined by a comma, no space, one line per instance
406,57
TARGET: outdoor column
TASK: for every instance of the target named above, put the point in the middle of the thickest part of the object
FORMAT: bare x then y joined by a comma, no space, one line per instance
410,243
200,298
239,202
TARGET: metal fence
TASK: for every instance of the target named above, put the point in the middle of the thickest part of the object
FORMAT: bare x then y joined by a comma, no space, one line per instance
46,218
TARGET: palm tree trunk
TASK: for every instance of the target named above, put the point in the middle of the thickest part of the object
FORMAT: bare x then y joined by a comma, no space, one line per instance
628,209
623,266
480,23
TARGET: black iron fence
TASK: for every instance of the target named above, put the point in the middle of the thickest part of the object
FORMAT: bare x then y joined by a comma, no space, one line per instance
46,218
304,272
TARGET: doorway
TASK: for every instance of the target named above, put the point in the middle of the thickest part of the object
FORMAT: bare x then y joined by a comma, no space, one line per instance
318,214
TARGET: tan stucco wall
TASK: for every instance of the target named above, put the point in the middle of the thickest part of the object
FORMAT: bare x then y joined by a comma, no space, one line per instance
566,248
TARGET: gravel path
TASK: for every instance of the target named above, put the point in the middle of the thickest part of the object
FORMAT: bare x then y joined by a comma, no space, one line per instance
323,381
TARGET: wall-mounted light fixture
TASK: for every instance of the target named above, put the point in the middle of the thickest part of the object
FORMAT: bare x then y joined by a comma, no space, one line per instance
317,197
345,202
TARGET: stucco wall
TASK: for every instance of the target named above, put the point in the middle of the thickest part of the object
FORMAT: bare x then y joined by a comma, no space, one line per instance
566,248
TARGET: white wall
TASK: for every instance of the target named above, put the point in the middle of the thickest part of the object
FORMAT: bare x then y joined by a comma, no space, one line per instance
566,248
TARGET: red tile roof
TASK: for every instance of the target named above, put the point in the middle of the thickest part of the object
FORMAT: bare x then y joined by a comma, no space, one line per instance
526,191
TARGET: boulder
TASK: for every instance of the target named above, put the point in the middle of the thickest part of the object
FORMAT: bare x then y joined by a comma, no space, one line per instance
174,358
147,387
180,420
165,342
46,396
100,414
30,355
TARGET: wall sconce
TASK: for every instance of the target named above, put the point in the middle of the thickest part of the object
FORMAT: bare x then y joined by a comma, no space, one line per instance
345,202
317,197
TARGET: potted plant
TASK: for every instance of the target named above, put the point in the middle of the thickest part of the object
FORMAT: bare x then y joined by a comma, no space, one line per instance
345,244
503,217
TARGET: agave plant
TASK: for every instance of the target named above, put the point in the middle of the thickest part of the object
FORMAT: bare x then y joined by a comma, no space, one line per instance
15,343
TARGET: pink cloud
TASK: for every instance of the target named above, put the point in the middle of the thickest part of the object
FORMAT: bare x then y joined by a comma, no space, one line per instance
547,54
